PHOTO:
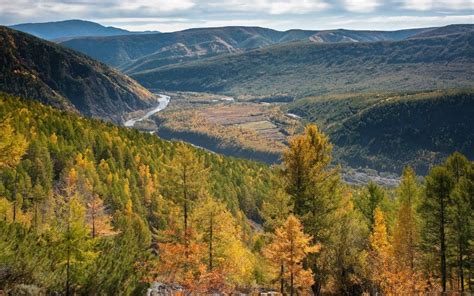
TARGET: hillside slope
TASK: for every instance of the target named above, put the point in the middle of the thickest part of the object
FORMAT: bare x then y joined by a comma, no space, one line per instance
58,76
388,131
303,68
137,53
69,29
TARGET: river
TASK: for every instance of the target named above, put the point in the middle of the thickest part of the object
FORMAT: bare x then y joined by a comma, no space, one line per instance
163,102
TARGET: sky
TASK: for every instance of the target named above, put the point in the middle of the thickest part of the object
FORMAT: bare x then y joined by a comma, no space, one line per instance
174,15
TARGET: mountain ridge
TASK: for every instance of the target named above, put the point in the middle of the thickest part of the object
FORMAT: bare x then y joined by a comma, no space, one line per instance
42,70
305,68
204,42
61,30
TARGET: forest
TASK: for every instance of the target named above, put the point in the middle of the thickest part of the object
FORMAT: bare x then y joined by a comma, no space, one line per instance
90,208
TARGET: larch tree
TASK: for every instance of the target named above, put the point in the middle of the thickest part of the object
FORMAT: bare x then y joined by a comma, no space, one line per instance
73,245
371,198
406,233
312,186
380,252
189,178
97,218
434,209
229,262
348,245
13,147
406,236
461,212
289,248
276,208
148,186
212,219
305,165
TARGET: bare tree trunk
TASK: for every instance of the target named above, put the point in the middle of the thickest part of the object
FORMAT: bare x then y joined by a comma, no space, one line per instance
211,228
68,262
461,266
36,216
14,195
443,246
282,280
292,268
93,214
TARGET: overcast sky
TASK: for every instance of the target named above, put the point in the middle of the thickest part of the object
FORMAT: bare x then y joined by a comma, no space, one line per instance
173,15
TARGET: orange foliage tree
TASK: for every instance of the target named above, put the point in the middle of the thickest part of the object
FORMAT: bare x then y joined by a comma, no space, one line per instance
288,250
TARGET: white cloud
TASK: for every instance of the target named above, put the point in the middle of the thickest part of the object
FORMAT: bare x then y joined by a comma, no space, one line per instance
270,6
297,6
361,5
17,11
155,5
171,15
426,5
399,22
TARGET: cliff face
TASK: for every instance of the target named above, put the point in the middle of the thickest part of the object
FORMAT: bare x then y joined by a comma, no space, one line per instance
41,70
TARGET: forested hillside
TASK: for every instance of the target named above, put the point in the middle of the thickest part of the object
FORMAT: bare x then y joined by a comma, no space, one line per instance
386,131
300,69
89,208
52,74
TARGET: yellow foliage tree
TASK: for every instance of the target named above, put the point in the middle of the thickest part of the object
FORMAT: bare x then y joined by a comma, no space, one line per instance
189,178
288,250
406,235
380,253
226,253
389,277
99,221
12,145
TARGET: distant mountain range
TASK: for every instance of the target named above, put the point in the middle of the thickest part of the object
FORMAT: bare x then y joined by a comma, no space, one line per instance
134,53
37,69
64,30
305,68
